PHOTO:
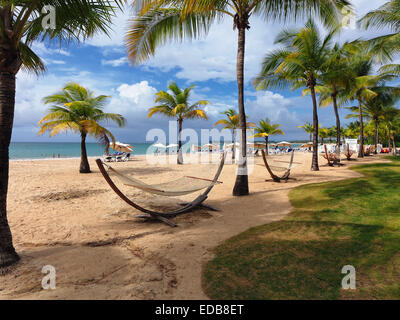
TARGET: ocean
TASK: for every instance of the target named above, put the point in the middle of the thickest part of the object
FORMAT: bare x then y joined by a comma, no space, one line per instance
44,150
48,150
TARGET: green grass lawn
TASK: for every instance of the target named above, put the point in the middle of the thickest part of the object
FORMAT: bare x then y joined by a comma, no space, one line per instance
351,222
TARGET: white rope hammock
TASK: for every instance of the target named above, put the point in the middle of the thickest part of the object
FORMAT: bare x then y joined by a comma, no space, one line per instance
182,186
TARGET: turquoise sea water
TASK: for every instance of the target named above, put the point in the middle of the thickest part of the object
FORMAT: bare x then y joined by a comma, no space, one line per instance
43,150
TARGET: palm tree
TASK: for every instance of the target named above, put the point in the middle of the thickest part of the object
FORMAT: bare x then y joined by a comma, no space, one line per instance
21,26
176,105
232,122
308,128
361,63
77,109
265,129
391,121
334,80
353,130
323,133
375,108
299,63
158,22
386,16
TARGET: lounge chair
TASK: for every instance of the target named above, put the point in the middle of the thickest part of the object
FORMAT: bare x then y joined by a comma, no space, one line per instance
277,167
182,186
108,158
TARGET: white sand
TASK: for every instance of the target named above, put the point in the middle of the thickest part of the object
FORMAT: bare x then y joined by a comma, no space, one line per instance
75,223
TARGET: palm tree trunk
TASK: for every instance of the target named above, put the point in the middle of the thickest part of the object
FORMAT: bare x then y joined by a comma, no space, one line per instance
314,164
84,167
179,159
8,255
389,141
376,137
266,145
234,146
241,187
361,149
106,145
335,108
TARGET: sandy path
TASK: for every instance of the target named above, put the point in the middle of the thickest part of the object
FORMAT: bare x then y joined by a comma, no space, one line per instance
75,223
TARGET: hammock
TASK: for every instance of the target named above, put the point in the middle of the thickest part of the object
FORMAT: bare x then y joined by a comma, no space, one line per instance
182,186
179,187
274,167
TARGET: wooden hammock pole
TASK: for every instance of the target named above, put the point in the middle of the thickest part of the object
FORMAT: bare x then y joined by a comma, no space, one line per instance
327,156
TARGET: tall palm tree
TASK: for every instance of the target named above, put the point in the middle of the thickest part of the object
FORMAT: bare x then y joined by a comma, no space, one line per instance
298,63
161,20
232,123
308,128
391,121
77,109
375,108
334,80
265,129
360,87
176,105
21,26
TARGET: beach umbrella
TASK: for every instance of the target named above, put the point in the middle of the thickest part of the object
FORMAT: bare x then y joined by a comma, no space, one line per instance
122,147
173,145
159,145
284,144
230,145
306,145
271,145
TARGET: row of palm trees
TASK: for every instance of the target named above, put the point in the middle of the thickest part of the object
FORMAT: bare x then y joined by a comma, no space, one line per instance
337,74
176,104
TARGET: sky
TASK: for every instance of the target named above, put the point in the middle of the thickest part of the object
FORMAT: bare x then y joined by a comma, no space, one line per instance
209,63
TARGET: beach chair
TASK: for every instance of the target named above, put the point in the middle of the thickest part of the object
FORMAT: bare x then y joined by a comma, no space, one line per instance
277,167
181,186
108,158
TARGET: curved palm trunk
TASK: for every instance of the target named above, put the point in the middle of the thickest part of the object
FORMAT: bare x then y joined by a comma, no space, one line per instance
84,167
266,145
179,159
314,164
8,255
241,187
361,149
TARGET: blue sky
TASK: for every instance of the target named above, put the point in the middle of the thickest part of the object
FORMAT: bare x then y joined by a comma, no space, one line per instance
101,65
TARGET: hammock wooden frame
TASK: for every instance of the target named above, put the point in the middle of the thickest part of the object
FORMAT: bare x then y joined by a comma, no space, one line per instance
166,216
274,177
332,158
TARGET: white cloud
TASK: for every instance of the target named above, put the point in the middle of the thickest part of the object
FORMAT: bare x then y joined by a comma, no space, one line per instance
115,63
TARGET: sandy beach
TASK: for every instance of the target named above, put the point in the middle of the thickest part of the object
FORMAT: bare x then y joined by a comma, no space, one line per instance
77,224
